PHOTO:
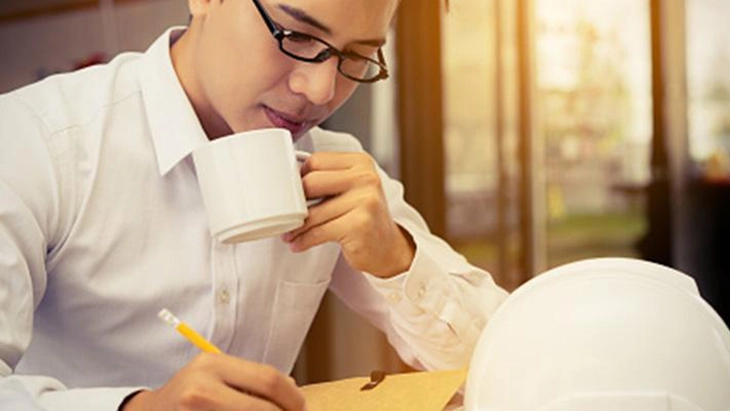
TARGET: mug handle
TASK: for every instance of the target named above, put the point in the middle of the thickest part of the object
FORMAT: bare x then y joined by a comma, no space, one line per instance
302,156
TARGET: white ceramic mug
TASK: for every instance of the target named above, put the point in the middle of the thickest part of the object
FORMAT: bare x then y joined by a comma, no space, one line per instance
251,185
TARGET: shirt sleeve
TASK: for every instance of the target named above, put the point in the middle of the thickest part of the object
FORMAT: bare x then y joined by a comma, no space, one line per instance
29,218
34,393
432,314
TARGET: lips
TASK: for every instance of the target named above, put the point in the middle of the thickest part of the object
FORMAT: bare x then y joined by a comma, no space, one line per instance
281,120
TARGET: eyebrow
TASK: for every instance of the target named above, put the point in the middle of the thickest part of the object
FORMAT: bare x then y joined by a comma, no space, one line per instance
302,16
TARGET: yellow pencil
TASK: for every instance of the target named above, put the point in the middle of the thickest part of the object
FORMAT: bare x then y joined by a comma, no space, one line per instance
187,332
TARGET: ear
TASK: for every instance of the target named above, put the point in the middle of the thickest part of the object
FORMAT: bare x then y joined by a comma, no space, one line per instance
199,7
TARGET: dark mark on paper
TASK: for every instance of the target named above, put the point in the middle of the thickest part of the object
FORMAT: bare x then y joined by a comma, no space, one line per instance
376,377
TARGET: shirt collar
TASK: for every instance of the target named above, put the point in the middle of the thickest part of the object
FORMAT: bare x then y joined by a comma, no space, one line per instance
175,128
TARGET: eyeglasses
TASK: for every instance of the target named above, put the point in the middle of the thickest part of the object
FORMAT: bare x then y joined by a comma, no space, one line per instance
303,47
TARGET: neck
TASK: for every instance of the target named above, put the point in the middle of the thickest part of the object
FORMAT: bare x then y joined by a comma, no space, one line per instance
182,54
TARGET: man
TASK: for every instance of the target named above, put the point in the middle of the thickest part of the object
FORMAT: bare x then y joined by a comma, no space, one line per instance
102,224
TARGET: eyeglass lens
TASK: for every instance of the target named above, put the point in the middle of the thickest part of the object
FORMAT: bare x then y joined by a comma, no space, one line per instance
310,48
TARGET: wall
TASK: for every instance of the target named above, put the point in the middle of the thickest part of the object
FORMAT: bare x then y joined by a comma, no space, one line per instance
35,47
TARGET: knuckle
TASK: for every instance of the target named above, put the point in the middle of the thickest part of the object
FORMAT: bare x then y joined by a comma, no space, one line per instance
313,162
368,178
372,198
270,379
365,159
307,185
195,396
202,361
307,180
370,203
361,220
311,236
314,235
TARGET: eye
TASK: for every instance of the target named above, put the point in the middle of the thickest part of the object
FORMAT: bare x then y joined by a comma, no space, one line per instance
361,53
301,38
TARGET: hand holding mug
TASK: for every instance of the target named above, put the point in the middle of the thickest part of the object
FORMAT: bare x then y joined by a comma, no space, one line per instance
253,188
355,214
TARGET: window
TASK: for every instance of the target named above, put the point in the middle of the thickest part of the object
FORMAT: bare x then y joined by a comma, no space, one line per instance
708,87
594,92
590,113
480,136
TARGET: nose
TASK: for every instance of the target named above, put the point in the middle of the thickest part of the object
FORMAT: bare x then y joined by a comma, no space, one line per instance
316,82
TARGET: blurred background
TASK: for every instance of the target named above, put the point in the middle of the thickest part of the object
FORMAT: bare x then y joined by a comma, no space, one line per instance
529,133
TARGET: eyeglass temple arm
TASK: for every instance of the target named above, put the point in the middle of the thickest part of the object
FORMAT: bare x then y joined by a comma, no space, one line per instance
381,59
269,23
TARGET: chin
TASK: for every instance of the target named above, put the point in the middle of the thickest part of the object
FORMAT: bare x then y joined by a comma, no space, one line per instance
301,133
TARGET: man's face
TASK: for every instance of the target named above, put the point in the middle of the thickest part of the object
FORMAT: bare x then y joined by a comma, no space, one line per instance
238,79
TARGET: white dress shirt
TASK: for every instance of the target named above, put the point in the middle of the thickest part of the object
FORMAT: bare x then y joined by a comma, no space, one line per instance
102,225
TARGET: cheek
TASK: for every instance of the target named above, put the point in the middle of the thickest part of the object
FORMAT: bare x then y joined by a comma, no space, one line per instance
238,71
239,98
344,90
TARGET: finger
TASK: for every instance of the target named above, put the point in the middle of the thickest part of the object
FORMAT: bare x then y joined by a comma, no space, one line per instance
329,183
225,397
263,381
331,231
324,160
332,208
237,400
352,215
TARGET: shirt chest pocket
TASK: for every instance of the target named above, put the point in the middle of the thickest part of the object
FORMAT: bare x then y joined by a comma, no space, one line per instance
295,305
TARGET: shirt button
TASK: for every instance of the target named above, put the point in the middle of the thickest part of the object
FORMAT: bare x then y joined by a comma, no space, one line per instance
421,292
394,297
224,296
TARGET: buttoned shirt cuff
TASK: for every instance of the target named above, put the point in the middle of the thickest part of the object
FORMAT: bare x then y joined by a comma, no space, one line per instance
413,287
426,289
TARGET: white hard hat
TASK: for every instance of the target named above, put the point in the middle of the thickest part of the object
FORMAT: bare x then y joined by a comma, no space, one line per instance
603,334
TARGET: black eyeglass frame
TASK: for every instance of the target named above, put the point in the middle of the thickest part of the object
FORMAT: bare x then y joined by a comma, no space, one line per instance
280,34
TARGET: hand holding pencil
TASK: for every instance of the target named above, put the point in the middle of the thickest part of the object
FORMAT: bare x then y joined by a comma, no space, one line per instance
216,380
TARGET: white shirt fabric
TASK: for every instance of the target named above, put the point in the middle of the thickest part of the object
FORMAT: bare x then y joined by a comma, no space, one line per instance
102,225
